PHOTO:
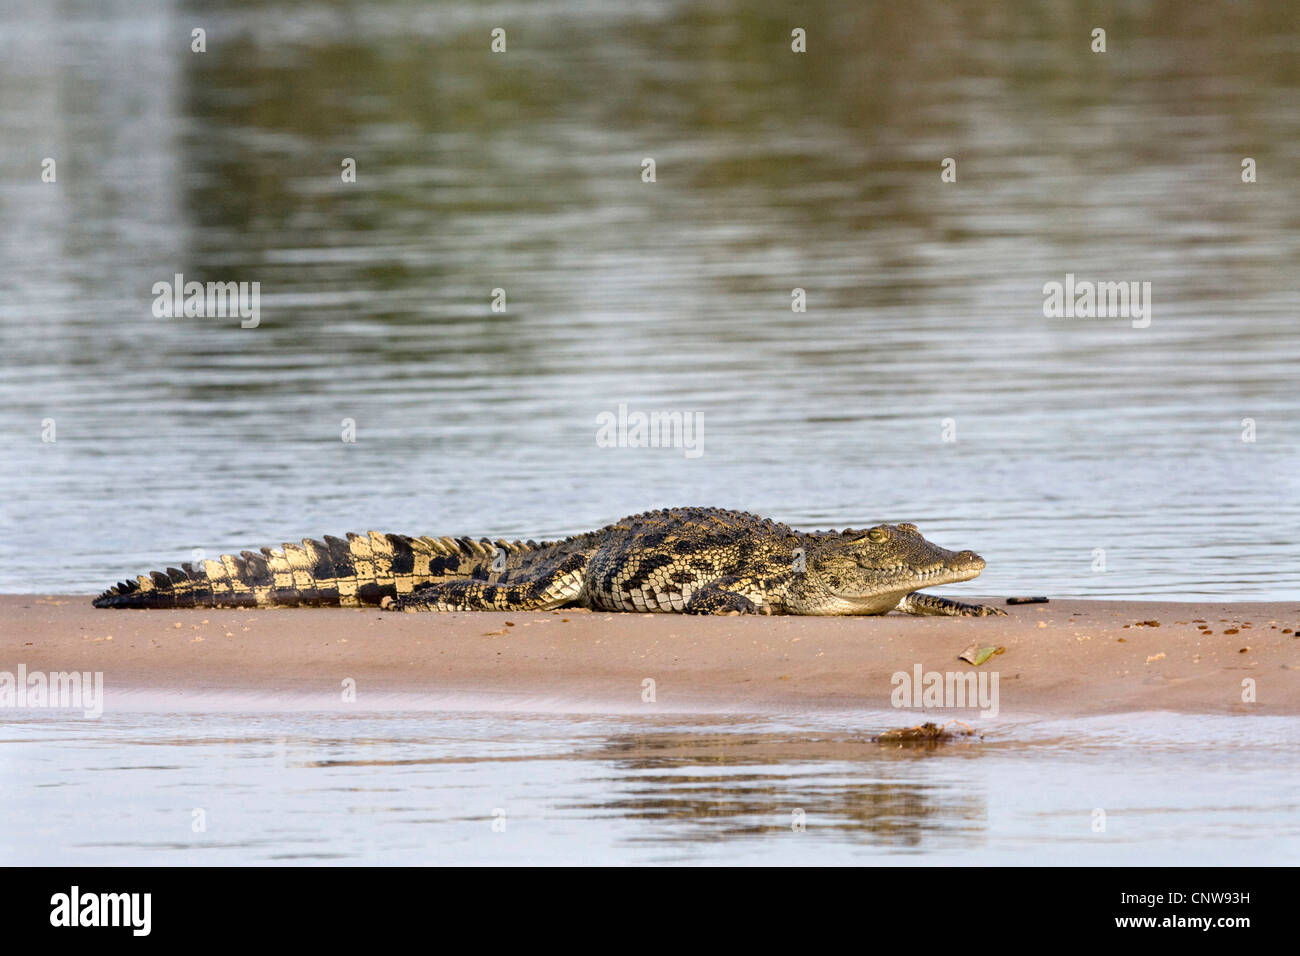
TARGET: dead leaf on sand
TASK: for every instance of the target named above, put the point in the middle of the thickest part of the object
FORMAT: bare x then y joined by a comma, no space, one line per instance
978,655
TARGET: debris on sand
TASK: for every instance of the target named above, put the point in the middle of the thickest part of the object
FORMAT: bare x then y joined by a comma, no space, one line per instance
978,655
927,734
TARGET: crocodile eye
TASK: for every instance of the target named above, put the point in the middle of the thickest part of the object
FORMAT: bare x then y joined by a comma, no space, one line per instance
909,527
878,535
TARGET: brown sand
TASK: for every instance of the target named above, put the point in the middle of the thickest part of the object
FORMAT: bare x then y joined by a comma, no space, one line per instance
1069,657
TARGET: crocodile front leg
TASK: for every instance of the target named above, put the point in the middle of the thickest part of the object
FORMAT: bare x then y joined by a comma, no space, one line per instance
929,604
550,589
714,598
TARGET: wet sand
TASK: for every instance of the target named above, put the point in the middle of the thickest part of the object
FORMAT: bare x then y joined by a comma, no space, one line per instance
1068,657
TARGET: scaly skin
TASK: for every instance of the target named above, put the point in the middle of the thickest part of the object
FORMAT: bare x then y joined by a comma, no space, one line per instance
686,560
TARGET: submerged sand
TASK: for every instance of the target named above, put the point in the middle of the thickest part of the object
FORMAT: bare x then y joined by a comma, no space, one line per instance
1063,658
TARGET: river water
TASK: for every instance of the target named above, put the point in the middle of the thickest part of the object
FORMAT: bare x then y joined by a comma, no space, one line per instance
1077,443
405,787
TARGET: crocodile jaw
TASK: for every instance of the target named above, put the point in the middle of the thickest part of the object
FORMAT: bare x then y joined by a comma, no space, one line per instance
885,595
872,571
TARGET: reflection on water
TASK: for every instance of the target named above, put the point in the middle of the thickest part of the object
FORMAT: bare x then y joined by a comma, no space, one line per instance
427,788
718,786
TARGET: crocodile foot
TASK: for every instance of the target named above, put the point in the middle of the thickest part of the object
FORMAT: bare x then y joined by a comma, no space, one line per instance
930,605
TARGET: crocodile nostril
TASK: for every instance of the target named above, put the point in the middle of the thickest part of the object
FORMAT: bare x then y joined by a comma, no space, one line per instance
968,556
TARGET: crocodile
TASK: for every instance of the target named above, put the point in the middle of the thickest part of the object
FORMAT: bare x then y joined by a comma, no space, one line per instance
687,560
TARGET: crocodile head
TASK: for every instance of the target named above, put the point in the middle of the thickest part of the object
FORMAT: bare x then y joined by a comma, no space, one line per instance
869,571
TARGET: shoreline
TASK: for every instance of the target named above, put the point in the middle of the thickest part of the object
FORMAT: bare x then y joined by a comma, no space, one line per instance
1070,657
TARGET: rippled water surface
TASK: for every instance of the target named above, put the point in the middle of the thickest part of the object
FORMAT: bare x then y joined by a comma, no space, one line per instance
521,171
226,788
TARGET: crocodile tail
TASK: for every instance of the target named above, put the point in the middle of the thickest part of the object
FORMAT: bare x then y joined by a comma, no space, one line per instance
359,571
